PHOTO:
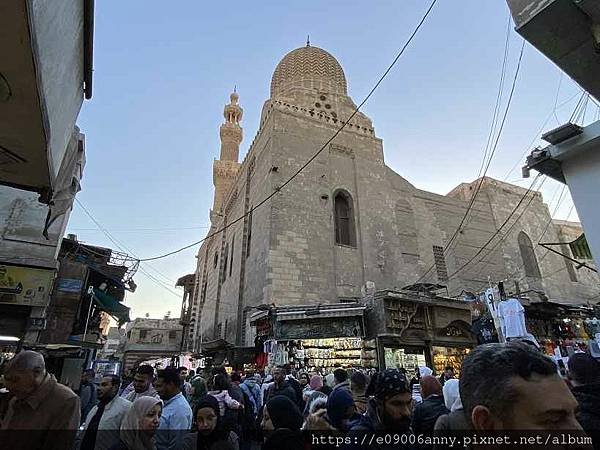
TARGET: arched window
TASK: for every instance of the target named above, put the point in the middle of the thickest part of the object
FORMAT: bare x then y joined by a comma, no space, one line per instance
344,219
530,263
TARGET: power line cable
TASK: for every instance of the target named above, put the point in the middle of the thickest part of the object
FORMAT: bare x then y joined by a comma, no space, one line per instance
547,251
125,249
135,230
338,131
487,165
507,232
498,96
496,232
504,237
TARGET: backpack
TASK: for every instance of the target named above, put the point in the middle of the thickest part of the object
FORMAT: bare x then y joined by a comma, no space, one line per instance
248,418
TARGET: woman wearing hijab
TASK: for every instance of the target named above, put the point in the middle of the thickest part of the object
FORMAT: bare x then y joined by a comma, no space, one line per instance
140,424
455,422
210,435
281,424
315,383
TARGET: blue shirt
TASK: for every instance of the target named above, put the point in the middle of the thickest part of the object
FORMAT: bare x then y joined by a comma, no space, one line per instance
175,423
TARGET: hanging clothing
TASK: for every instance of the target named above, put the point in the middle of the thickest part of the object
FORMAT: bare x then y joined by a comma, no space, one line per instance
485,330
513,318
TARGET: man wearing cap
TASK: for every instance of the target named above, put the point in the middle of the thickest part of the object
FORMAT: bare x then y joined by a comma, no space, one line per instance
388,411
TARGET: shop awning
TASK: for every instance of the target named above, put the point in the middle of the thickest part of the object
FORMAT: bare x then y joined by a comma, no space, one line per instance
218,345
112,306
321,313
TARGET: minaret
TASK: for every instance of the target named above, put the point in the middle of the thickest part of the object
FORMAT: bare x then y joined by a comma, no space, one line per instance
226,167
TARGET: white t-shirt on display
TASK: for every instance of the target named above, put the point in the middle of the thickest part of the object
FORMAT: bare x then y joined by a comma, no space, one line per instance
513,316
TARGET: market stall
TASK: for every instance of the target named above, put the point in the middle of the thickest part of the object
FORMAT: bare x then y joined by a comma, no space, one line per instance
419,328
314,338
561,328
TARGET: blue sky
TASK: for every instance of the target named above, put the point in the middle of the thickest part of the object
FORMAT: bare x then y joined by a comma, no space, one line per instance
163,74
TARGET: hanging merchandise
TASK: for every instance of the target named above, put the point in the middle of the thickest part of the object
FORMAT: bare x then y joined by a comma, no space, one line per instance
484,330
512,314
592,326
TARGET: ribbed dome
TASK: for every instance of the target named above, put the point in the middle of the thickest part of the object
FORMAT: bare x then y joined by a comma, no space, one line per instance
308,68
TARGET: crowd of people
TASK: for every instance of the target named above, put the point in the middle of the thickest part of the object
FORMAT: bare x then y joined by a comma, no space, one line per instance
502,387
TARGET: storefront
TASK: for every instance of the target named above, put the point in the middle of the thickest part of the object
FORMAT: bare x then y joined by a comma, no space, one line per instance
416,329
563,328
314,338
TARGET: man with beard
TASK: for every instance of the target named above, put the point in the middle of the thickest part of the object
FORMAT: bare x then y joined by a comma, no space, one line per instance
388,412
142,384
511,388
101,427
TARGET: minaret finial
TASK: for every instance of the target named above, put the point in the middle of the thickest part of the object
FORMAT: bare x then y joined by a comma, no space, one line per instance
235,88
308,40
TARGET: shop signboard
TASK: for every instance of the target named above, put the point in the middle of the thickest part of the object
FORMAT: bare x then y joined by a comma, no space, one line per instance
319,328
104,367
25,285
71,285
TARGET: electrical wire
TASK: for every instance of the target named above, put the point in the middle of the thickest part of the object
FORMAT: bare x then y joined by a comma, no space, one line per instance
310,160
497,231
498,96
559,202
535,138
487,165
122,247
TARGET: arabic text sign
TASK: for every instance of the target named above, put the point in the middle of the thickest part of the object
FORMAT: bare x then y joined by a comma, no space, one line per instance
25,285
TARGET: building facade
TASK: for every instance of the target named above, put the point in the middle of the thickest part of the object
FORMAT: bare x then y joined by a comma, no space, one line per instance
151,339
347,220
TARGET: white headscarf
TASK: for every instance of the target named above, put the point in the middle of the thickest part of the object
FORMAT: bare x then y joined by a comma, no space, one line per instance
425,371
452,395
131,434
330,380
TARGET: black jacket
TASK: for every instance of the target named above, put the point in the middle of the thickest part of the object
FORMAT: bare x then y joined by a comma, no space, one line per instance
588,416
369,426
425,414
285,389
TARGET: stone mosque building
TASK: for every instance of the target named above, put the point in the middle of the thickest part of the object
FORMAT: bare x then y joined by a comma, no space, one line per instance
348,220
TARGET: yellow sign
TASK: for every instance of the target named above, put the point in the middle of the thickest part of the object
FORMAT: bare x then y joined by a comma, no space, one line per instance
25,285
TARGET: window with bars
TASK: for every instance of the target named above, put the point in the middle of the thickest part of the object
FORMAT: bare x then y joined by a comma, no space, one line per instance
344,219
203,295
232,250
143,334
249,240
244,325
225,258
172,335
440,263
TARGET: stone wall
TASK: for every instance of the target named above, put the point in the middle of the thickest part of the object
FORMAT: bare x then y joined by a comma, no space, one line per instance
293,256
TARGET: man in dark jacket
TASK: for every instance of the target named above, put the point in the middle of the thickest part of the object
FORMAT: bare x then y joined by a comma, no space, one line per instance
387,412
87,392
281,387
426,413
584,375
295,384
